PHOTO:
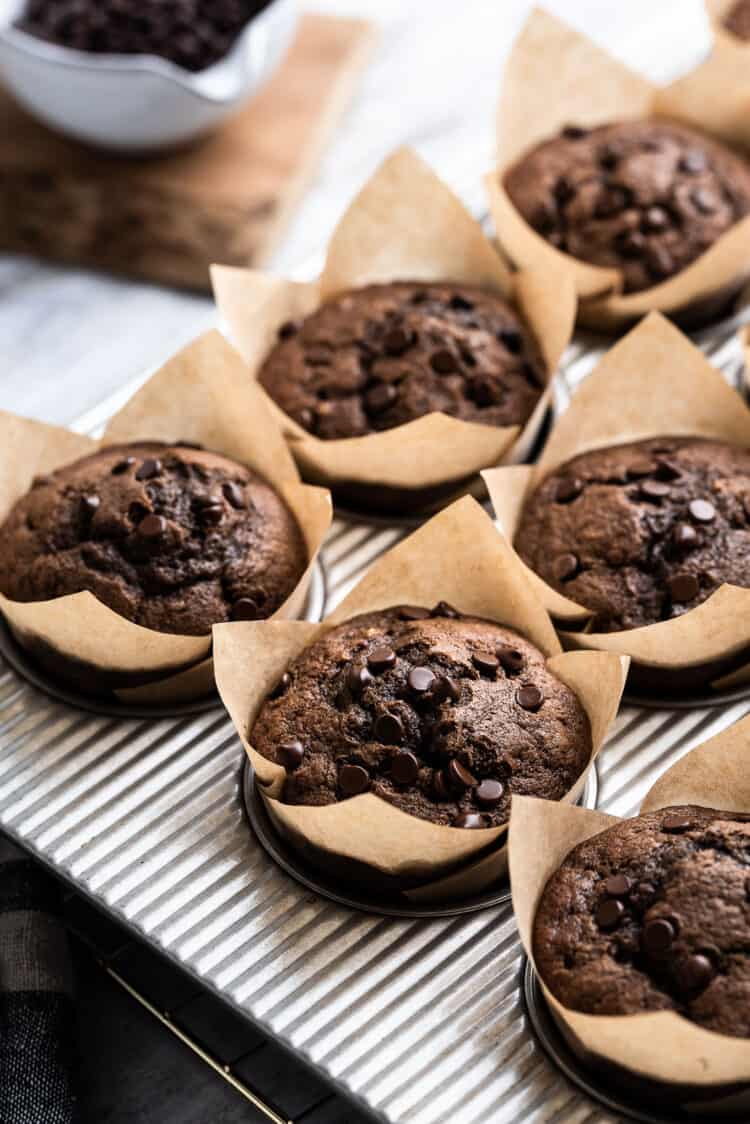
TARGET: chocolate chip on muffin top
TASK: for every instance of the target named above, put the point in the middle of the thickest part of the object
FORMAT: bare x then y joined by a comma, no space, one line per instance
443,716
169,536
643,532
378,357
653,914
644,197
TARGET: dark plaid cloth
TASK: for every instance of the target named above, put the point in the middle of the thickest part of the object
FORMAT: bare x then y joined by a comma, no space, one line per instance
36,1009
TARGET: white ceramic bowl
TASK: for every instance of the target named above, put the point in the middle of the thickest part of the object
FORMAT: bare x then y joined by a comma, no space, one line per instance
137,103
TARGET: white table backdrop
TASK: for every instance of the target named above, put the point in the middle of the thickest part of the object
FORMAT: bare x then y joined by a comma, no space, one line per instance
68,338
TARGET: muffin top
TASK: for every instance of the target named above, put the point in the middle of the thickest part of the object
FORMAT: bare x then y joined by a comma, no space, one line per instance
169,536
653,914
643,532
377,357
644,197
738,19
440,714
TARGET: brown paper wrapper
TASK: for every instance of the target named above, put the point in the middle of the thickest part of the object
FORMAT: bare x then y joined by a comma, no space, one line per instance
660,1046
652,383
405,224
457,556
556,76
201,395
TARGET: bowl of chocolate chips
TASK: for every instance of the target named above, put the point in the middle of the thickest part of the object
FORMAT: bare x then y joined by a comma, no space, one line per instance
139,75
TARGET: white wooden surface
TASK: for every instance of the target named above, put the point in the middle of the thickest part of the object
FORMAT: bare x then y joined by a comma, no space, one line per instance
68,338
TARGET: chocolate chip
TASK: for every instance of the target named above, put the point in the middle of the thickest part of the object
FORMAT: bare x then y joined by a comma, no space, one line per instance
511,660
389,729
704,200
544,216
658,936
655,218
609,157
617,886
152,527
693,161
381,658
123,466
667,470
640,467
565,567
244,610
568,489
610,203
529,697
459,776
702,510
654,490
291,754
574,132
234,495
357,679
149,468
659,261
684,536
609,913
460,304
694,973
380,398
90,504
470,820
511,339
486,662
413,613
396,341
443,609
563,191
440,786
404,767
420,679
443,362
631,243
488,793
282,686
212,514
683,587
676,824
446,689
353,779
288,329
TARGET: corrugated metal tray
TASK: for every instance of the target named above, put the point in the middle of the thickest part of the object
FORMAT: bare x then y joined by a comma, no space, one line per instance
420,1020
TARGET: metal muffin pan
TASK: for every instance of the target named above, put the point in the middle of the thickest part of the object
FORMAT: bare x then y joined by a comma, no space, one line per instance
419,1020
349,895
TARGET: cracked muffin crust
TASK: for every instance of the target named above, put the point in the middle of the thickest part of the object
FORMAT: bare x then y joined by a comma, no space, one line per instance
645,197
643,532
440,714
380,356
737,20
171,537
653,914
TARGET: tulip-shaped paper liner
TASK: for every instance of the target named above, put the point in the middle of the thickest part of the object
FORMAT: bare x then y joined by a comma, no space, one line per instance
405,225
201,395
660,1045
555,77
457,556
652,383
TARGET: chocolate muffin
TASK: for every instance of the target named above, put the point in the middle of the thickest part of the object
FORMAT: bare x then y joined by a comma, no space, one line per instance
380,356
653,914
169,536
643,532
440,714
644,197
737,20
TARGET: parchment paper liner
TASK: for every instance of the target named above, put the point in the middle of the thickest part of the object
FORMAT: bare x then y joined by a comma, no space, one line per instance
555,76
201,395
459,557
651,383
661,1046
405,224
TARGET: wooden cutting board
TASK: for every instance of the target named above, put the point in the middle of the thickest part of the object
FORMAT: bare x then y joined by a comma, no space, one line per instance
166,218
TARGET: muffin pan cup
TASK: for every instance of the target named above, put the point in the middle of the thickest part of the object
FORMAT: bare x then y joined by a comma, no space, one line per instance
661,1048
404,225
83,640
429,566
652,383
556,76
